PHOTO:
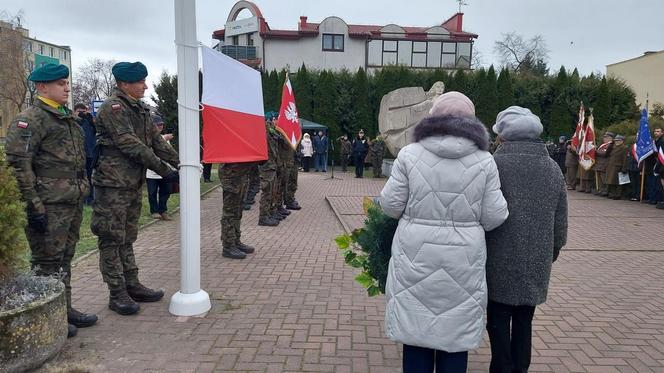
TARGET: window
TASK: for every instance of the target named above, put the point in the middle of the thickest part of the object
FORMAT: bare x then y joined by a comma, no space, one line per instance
27,46
250,40
41,49
389,52
405,52
463,55
52,52
375,57
333,42
449,55
433,54
236,40
419,54
63,55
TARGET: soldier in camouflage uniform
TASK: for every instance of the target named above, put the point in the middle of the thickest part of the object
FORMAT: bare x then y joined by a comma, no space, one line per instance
46,150
284,162
377,149
291,185
128,144
234,178
253,188
268,175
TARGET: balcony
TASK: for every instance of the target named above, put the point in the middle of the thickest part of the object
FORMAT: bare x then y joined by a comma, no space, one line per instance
245,54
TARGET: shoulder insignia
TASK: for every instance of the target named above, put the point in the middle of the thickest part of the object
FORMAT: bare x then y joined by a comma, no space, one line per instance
116,107
22,124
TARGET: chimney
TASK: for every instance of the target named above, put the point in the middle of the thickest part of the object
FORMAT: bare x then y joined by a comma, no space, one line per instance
459,22
303,21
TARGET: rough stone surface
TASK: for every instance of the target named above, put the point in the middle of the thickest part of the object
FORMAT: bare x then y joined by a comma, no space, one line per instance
34,333
401,110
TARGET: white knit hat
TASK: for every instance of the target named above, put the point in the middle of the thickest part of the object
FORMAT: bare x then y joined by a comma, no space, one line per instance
517,123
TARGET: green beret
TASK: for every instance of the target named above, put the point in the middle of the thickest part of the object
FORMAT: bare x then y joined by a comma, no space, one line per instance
49,73
129,72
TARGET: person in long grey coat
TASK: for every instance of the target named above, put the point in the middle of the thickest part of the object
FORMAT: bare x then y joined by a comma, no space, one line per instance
445,191
521,251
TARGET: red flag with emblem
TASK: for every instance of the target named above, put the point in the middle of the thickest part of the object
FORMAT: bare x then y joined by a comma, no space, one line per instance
587,148
289,121
578,133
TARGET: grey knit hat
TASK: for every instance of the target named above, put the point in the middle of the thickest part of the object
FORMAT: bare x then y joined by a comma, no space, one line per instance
516,123
620,138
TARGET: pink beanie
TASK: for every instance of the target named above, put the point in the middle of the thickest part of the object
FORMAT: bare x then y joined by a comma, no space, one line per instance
452,103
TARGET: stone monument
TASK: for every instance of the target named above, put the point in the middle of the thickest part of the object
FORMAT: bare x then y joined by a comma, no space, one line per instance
401,110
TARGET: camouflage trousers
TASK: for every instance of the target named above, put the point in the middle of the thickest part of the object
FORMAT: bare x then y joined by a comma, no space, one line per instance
377,166
291,184
281,183
267,178
53,251
115,223
254,186
234,180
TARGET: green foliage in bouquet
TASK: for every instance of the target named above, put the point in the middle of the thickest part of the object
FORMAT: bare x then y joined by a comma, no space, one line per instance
13,248
369,249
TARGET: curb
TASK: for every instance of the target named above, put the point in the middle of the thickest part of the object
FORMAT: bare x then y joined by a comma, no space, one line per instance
91,252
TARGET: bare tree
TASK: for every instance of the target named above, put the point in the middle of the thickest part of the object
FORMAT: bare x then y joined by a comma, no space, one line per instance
477,60
13,69
517,53
93,81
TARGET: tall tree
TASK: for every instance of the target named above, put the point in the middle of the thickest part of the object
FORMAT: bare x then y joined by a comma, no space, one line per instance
325,103
561,121
93,81
304,95
363,112
13,73
167,101
602,105
517,52
505,90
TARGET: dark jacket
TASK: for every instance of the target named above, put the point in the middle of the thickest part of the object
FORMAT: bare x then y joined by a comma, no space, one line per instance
602,157
559,155
346,146
617,163
320,144
521,251
360,146
86,122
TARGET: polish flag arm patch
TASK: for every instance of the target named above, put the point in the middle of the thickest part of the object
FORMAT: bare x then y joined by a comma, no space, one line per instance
22,124
116,107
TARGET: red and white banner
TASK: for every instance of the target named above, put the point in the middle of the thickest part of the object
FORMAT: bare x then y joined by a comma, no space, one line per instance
233,115
289,120
578,133
587,147
660,155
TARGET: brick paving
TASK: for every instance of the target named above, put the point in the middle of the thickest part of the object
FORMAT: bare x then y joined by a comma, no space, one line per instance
293,306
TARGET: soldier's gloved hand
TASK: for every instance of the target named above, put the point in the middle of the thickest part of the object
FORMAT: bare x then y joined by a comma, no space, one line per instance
38,222
172,177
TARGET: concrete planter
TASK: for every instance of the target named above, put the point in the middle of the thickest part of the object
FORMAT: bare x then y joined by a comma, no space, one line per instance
34,333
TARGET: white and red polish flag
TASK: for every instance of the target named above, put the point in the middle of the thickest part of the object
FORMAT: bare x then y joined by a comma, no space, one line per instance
587,148
289,120
578,133
660,155
233,116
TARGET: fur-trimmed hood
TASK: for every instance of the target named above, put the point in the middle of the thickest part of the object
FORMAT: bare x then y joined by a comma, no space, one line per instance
467,128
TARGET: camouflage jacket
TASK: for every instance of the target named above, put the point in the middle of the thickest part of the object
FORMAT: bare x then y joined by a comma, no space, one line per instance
129,144
272,151
377,148
46,150
285,151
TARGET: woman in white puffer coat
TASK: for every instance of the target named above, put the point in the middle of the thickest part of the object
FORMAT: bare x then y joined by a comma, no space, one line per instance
445,191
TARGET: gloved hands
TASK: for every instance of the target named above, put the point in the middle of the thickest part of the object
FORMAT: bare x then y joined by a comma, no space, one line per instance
174,176
38,222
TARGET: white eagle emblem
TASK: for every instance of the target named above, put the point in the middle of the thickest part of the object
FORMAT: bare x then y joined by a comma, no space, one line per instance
291,112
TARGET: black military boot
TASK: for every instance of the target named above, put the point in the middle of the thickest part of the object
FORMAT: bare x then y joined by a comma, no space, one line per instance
277,216
140,293
80,319
233,253
293,205
247,206
120,302
71,331
245,248
283,211
268,221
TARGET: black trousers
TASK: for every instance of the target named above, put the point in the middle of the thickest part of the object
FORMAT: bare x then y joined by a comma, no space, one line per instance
158,193
306,163
344,162
510,347
424,360
358,160
207,171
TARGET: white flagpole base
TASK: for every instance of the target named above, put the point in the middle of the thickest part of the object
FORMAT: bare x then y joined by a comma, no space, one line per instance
190,304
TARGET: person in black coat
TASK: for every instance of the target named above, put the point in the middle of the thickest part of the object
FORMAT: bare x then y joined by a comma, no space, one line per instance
86,121
360,149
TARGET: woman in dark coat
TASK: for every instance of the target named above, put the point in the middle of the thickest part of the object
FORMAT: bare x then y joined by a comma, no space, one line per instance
360,149
520,253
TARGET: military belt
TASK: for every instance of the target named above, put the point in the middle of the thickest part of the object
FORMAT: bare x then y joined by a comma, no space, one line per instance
60,174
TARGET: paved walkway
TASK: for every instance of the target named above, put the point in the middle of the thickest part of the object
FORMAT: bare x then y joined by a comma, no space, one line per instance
293,306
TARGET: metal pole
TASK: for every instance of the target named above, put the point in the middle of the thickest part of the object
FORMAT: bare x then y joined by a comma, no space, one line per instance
190,300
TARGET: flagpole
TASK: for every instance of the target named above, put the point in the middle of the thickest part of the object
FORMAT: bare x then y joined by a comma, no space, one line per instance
191,299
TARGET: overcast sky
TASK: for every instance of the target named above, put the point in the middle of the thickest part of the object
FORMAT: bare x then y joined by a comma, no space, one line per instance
588,34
